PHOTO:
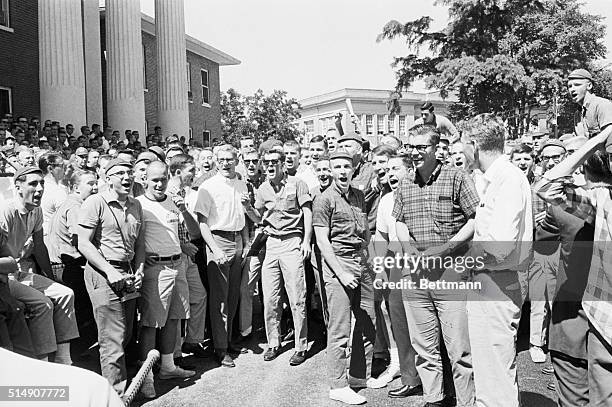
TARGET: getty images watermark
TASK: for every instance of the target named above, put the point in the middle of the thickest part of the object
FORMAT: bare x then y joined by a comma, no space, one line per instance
437,264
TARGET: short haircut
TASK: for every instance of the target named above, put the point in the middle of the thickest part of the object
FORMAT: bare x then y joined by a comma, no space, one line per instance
597,167
319,139
83,128
427,106
521,149
383,149
47,160
179,162
487,131
397,143
426,130
293,144
250,151
76,176
226,148
281,154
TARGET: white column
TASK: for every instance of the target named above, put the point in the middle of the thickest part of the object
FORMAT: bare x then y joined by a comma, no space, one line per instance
61,65
93,57
172,103
125,91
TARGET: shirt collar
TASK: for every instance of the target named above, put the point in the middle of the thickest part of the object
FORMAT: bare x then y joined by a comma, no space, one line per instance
496,167
21,207
339,191
588,99
110,196
416,176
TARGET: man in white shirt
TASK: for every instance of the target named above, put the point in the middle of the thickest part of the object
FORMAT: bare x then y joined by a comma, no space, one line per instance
502,243
52,165
222,223
164,293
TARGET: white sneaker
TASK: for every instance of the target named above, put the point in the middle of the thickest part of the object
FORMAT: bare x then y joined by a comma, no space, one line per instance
346,395
537,354
373,383
148,387
177,373
390,374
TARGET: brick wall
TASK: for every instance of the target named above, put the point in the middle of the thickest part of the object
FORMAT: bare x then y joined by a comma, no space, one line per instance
19,58
207,117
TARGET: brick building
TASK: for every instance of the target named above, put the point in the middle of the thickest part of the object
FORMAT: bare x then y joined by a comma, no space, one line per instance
23,31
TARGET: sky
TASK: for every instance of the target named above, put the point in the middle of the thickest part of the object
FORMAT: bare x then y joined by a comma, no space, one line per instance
310,47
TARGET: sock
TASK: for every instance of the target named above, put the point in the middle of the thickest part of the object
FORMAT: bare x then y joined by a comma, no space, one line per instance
394,356
62,355
167,362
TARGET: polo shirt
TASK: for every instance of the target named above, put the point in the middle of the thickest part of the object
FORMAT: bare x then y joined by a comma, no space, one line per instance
596,114
161,226
436,209
283,209
17,226
53,196
62,227
345,216
96,214
219,200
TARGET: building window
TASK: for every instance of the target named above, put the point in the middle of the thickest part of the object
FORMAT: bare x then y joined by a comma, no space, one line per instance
309,126
369,124
391,124
380,124
6,101
144,67
326,124
5,20
205,90
189,92
206,141
402,125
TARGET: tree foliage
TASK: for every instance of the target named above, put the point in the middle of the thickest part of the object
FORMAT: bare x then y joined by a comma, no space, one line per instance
260,115
508,57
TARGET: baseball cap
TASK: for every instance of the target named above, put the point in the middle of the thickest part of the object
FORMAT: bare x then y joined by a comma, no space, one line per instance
116,162
351,135
23,171
580,74
146,155
552,142
341,153
81,151
427,106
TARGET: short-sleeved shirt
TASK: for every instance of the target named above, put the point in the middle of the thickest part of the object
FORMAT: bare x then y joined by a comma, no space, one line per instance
596,114
220,201
362,177
61,229
345,216
443,125
436,210
53,196
17,225
96,214
283,210
161,226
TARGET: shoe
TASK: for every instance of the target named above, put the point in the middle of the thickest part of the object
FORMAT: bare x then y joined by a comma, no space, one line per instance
346,395
551,386
390,374
196,349
371,383
177,373
405,391
537,354
147,390
225,360
271,354
298,358
237,351
548,370
180,362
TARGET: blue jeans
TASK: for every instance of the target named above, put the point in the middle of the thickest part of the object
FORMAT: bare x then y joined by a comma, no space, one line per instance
115,320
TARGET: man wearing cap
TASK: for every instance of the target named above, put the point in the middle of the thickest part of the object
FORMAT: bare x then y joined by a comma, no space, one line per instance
342,233
52,322
596,112
363,172
80,158
159,152
111,238
441,123
140,170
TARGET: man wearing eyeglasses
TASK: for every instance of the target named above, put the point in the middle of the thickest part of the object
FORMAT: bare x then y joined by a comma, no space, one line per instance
434,211
111,238
222,221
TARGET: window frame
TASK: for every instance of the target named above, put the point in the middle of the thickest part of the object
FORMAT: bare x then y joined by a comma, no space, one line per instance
189,92
207,87
7,26
204,137
369,128
10,97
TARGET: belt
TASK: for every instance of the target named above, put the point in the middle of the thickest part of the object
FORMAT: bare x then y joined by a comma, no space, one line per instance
124,265
224,233
167,258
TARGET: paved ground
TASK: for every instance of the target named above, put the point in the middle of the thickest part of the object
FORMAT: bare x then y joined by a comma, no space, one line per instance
254,382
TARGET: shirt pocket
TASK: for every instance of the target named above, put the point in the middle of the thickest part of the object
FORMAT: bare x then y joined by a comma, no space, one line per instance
443,212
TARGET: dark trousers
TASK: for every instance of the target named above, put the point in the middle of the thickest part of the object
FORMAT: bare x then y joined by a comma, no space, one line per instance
14,333
600,369
73,278
572,380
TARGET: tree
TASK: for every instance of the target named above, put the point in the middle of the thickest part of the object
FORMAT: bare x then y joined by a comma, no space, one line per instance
262,116
507,57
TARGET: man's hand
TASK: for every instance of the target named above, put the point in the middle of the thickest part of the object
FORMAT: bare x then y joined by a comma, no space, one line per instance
116,280
554,193
189,249
348,279
219,256
245,198
305,250
138,281
179,201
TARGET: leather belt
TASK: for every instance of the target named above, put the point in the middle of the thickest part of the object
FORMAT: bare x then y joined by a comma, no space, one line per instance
123,265
224,233
167,258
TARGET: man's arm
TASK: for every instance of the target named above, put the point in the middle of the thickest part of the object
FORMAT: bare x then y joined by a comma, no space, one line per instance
306,209
41,254
89,251
209,239
346,278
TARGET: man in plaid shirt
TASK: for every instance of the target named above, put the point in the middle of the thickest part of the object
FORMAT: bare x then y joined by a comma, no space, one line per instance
434,208
593,204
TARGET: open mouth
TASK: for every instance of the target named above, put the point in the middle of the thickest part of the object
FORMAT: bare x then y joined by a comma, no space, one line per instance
343,178
393,181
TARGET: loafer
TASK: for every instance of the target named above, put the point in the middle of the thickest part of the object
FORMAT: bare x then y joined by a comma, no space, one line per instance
177,373
197,350
271,354
346,395
298,358
405,391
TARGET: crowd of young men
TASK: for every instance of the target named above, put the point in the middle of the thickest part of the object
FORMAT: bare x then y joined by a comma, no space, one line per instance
98,229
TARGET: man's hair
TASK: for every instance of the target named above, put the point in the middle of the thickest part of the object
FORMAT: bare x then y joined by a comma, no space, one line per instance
281,154
397,143
293,144
521,149
597,168
426,130
487,131
319,139
76,176
226,148
179,162
383,149
250,151
47,160
427,106
324,157
85,127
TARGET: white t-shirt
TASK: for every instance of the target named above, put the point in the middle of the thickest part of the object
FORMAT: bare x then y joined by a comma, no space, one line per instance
308,175
53,196
219,200
160,221
385,222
